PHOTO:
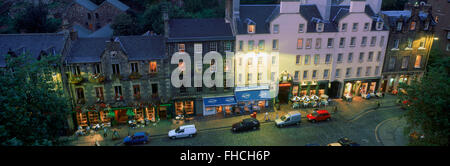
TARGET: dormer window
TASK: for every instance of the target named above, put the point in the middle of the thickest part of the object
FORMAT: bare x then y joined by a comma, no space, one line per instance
319,27
276,28
399,26
379,25
412,27
251,28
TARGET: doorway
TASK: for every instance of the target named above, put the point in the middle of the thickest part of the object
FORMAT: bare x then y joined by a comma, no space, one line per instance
283,94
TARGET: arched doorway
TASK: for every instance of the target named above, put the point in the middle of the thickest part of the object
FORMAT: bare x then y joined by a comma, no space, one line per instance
334,90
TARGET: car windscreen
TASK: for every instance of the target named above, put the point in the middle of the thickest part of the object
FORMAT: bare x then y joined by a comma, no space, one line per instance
177,130
314,114
283,118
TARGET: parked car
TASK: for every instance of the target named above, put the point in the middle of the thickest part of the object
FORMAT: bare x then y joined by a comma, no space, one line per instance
293,117
246,124
137,138
347,142
319,115
183,131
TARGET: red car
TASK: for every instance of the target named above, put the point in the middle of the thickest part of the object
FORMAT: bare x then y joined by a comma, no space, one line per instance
319,115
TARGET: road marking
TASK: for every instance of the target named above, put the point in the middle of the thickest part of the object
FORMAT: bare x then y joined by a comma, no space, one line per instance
366,112
376,129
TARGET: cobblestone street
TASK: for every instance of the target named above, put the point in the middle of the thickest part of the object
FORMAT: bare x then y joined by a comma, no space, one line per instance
357,120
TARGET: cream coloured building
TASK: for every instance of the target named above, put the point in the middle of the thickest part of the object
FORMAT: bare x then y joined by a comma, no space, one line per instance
332,47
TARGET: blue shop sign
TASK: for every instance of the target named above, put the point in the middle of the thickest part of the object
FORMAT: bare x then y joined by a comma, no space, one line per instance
254,95
218,101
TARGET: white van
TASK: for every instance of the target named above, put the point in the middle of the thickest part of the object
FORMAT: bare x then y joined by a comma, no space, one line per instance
293,117
183,131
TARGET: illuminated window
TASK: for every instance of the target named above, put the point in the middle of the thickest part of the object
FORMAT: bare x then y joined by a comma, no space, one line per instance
308,43
251,28
412,26
418,61
300,43
181,47
153,67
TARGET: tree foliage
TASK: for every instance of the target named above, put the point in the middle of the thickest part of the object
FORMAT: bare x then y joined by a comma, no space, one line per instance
429,105
33,107
35,20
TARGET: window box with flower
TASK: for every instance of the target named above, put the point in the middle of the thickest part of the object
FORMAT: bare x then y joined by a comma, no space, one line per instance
118,98
75,79
97,78
134,76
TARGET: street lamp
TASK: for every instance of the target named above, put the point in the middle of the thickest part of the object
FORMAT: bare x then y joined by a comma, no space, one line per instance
436,38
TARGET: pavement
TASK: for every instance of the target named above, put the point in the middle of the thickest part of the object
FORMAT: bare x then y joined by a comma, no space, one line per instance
388,132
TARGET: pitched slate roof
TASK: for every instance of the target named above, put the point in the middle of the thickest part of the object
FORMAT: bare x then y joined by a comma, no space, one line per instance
105,31
89,50
143,47
33,43
199,30
261,15
118,4
87,4
92,6
394,15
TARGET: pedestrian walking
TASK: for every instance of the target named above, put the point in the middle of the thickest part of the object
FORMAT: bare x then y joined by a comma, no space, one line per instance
266,116
378,105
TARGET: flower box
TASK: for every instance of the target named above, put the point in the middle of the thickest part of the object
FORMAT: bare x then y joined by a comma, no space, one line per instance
134,76
75,79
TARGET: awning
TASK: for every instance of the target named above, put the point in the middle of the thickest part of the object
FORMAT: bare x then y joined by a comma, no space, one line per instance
218,101
253,95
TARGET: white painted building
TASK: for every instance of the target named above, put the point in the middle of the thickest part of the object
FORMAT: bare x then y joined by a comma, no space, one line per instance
320,44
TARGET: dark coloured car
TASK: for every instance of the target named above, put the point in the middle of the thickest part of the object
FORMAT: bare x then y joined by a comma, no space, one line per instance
136,138
245,125
347,142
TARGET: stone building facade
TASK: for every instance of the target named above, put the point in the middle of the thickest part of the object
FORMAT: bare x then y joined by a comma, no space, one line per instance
91,16
410,40
109,78
199,36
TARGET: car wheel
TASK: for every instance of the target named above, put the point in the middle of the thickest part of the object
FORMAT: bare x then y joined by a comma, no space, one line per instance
234,129
254,128
172,137
314,121
328,119
190,135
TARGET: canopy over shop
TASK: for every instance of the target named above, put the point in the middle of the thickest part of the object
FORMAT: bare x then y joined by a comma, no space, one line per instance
253,100
215,105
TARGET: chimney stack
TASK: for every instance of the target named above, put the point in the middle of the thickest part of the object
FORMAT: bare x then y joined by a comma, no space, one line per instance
357,6
290,6
165,14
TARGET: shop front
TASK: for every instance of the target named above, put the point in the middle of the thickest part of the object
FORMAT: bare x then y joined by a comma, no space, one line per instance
310,88
218,105
355,87
253,100
183,107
